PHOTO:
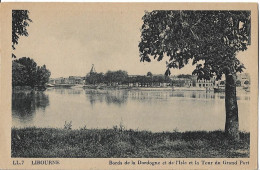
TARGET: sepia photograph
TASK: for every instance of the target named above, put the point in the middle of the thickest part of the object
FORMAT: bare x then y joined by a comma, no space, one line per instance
122,80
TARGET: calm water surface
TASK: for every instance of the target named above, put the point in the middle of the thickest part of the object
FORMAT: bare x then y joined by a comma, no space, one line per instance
136,109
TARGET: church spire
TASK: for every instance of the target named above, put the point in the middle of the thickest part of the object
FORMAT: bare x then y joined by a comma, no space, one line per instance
93,70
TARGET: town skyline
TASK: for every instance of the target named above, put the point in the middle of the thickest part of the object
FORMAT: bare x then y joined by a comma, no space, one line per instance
136,74
68,43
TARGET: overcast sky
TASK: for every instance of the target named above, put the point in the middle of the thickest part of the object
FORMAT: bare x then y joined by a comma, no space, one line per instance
69,42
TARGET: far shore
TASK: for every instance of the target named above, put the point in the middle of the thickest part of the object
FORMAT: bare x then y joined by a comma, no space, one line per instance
121,143
168,88
102,87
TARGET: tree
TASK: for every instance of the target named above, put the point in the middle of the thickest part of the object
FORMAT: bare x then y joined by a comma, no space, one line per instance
30,68
209,37
149,74
119,77
20,20
187,76
43,75
19,74
25,72
95,78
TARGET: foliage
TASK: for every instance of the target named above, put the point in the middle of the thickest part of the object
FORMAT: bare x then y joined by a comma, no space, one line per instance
179,83
213,37
210,39
188,76
25,72
94,78
68,125
42,75
119,76
20,22
121,142
28,71
19,74
111,77
149,80
149,74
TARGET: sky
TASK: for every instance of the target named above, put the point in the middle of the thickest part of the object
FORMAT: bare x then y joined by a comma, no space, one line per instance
68,42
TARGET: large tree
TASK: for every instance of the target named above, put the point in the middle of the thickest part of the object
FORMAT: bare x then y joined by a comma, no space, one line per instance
94,78
118,77
42,75
29,67
19,74
20,22
210,39
25,72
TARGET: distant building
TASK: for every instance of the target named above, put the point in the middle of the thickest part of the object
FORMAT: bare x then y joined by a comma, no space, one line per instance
206,83
193,81
133,75
220,84
69,80
51,81
181,82
243,79
59,80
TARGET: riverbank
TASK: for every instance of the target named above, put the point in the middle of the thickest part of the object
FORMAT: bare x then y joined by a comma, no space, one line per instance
77,86
167,88
118,142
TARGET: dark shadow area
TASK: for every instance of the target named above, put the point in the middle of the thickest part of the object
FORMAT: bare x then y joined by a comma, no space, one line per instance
25,103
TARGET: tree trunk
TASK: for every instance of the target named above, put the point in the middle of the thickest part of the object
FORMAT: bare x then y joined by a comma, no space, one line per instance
231,127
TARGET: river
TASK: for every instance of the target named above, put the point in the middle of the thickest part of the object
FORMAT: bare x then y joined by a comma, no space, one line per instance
154,111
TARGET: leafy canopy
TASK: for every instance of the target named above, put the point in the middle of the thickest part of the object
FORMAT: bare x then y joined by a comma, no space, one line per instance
213,37
20,20
25,72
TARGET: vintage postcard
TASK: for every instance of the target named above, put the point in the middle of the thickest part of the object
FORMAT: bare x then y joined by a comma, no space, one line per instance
129,86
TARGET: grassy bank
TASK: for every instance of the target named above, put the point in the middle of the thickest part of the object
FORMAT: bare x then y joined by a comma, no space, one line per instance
84,143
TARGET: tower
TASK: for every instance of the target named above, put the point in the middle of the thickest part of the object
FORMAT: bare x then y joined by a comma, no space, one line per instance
93,70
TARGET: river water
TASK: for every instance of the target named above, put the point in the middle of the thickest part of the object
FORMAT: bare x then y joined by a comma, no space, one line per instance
154,111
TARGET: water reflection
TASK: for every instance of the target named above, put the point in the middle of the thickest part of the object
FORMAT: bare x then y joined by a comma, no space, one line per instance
116,97
148,110
57,90
149,95
119,97
75,91
26,103
94,96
